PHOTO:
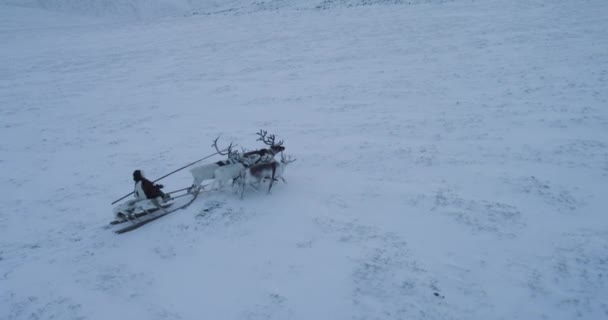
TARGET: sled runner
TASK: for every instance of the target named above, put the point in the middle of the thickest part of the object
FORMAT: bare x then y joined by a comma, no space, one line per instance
147,217
127,211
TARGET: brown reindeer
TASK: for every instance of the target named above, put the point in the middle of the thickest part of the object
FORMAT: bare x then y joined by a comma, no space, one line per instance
261,171
263,155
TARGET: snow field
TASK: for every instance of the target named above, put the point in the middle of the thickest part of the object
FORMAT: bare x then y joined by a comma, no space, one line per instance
452,162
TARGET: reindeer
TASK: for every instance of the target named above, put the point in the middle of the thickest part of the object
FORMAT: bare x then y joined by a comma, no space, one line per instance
231,168
219,171
263,155
261,171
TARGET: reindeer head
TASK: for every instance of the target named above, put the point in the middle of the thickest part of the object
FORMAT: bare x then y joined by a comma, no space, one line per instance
275,147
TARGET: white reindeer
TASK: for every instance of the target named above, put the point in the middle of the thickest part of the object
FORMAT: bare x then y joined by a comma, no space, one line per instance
219,171
226,174
255,174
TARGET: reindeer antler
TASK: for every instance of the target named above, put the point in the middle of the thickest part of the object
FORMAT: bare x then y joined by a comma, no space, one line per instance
262,135
229,150
268,141
287,160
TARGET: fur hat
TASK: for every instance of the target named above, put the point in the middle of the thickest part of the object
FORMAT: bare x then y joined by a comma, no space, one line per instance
137,175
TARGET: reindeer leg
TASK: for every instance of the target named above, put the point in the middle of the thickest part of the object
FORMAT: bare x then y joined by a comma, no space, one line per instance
234,184
241,185
272,179
283,180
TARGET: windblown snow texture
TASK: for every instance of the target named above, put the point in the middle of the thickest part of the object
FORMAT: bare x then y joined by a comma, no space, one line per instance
452,158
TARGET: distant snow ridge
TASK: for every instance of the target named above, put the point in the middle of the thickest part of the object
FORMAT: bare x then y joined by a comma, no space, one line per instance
126,8
160,8
119,8
328,4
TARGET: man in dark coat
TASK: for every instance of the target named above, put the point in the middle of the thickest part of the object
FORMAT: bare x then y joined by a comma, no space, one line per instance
146,193
145,189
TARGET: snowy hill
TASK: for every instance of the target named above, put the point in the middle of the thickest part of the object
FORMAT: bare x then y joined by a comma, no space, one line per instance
452,159
161,8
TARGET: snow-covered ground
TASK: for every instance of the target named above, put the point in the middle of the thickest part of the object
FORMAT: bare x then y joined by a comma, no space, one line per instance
452,158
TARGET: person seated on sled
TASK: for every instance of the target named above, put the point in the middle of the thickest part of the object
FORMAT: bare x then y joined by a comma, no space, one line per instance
146,189
147,196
